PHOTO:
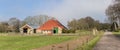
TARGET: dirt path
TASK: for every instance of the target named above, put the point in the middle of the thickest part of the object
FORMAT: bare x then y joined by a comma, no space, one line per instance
69,45
108,42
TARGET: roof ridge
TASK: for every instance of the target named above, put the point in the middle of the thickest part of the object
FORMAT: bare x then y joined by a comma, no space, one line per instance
50,24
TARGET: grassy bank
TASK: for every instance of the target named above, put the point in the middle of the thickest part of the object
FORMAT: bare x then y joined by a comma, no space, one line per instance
30,42
117,34
91,43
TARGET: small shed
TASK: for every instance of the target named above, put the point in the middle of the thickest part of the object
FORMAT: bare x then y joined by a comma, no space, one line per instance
52,26
28,29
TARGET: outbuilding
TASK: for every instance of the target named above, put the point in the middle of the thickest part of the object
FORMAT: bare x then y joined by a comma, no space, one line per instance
28,29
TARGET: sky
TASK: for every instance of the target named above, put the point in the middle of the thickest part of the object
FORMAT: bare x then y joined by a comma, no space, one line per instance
63,10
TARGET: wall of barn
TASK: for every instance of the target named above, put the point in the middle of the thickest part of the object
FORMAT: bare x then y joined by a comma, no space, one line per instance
59,30
29,31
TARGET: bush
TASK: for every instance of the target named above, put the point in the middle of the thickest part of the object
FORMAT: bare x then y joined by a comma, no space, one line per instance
68,31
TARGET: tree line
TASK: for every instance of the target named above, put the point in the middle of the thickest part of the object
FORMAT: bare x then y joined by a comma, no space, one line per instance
87,23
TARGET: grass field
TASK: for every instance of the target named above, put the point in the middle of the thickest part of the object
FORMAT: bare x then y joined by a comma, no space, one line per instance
30,42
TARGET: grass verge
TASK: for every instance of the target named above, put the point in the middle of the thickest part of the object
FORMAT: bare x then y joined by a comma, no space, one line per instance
89,45
117,34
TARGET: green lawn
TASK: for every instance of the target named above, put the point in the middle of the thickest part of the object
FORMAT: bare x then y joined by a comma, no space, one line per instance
30,42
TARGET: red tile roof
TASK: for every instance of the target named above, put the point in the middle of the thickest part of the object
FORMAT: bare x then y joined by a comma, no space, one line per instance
50,24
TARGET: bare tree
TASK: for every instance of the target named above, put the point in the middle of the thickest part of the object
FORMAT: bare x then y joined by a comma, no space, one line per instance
15,23
3,26
113,13
36,20
72,24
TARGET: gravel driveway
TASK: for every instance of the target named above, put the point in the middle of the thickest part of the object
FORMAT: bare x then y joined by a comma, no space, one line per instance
108,42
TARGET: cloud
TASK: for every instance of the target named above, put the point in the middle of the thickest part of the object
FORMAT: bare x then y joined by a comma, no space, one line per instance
70,9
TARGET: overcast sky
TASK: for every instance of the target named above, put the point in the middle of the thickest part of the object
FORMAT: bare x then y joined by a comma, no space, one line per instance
63,10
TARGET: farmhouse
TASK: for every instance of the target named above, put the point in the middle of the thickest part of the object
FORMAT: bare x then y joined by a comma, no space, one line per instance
28,29
52,26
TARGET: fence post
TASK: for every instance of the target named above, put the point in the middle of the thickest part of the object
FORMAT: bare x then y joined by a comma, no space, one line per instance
52,47
87,40
67,46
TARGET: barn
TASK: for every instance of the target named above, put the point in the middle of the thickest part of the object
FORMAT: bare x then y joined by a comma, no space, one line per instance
51,26
28,29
